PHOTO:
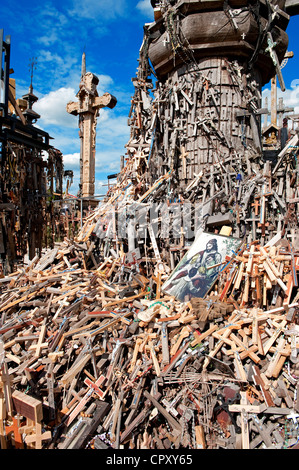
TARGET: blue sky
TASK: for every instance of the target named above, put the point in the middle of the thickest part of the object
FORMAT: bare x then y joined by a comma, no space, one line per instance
110,33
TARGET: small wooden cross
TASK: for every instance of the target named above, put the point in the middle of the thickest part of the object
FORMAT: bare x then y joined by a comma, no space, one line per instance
15,430
95,386
169,407
184,334
256,205
38,436
38,347
184,156
244,423
154,358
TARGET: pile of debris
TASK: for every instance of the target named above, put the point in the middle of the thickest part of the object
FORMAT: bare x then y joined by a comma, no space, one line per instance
103,344
95,352
90,363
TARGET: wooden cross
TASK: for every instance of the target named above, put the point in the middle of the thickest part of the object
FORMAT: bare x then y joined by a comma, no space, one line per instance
183,157
164,342
135,354
218,346
115,430
32,410
256,337
259,382
154,358
14,432
146,337
275,365
50,386
244,408
93,387
198,338
171,421
169,407
274,336
273,55
244,351
139,418
157,280
185,332
240,371
37,437
274,110
38,347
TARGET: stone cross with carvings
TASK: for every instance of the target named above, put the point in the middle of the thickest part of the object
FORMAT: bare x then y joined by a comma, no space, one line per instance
87,108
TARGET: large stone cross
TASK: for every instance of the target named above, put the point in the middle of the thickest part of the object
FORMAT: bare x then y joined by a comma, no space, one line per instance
87,108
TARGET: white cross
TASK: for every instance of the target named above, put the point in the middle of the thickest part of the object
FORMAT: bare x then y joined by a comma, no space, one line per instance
166,40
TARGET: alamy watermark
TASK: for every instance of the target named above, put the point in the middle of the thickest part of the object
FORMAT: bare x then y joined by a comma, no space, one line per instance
166,220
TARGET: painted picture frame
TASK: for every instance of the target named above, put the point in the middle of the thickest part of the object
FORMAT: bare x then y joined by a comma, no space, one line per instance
198,270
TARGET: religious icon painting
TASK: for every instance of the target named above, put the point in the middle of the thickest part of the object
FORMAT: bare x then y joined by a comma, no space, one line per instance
198,270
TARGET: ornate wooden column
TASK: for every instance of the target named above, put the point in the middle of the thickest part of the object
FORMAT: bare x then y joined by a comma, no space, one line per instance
211,60
87,108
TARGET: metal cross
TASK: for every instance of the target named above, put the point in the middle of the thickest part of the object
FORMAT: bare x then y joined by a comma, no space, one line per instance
32,66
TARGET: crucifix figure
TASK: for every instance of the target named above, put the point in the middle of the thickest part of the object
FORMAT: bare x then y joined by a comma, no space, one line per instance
183,157
87,108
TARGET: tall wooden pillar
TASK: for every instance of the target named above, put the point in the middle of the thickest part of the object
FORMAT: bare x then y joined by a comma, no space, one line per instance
87,108
211,62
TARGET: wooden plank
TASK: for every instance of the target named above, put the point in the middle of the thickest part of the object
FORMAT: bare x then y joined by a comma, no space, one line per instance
28,406
199,337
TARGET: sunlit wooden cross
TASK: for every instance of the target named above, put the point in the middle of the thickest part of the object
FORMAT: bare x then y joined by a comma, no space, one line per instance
32,410
184,156
12,431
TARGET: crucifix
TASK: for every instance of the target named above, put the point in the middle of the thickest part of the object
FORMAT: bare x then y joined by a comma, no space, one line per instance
183,157
274,111
273,55
87,108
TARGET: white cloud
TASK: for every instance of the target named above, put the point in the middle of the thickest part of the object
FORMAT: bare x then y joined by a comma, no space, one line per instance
108,160
50,13
71,161
291,98
48,39
112,128
54,22
48,56
145,7
93,9
105,82
52,108
67,140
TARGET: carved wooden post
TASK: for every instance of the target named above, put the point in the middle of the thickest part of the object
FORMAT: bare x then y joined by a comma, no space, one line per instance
87,108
